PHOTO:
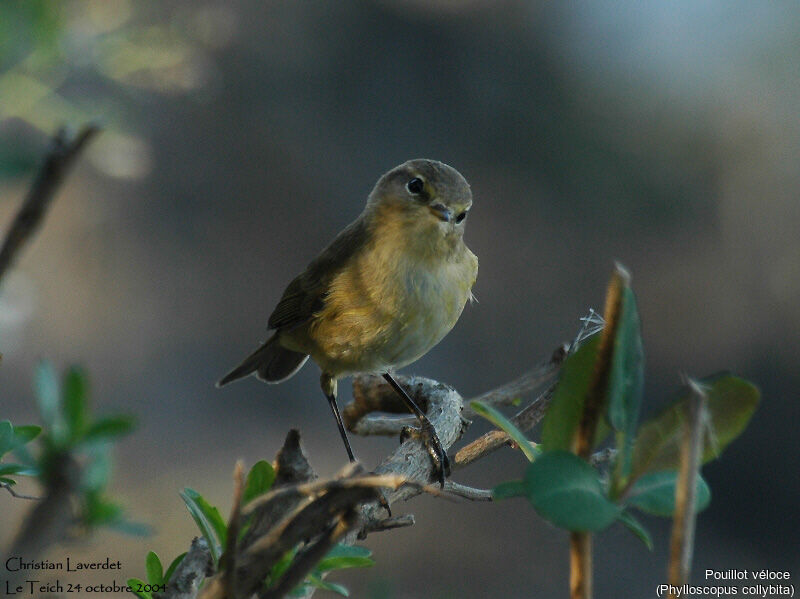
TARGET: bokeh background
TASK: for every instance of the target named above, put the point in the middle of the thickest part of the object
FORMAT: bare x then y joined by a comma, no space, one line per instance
240,136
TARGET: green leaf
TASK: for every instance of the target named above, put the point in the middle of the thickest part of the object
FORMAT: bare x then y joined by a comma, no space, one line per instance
342,550
75,403
97,471
654,493
47,391
6,437
565,490
512,488
636,527
25,434
492,415
345,556
155,571
7,469
625,385
280,567
134,583
205,528
259,480
130,528
109,428
564,414
319,583
102,512
175,563
731,403
211,514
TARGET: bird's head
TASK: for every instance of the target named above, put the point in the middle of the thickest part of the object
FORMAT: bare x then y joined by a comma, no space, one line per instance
423,196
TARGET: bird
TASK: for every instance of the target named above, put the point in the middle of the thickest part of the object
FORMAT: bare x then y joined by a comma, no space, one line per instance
386,290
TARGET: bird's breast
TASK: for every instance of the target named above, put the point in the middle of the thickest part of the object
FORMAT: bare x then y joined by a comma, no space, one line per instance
388,309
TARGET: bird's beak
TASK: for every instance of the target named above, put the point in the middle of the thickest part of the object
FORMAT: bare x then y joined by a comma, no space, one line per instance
441,212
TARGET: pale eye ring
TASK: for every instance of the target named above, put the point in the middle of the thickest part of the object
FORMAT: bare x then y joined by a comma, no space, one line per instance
415,186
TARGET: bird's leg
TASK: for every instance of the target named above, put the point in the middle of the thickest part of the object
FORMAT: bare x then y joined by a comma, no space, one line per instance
329,386
428,432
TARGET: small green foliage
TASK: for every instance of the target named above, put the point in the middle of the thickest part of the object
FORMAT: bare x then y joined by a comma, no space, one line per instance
171,569
565,490
636,527
609,370
316,581
73,434
654,493
338,558
105,429
155,571
731,403
345,556
625,384
13,439
280,567
208,520
48,397
137,583
564,414
499,420
156,577
75,403
259,480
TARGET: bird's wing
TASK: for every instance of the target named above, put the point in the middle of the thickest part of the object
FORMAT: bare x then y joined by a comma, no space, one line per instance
305,295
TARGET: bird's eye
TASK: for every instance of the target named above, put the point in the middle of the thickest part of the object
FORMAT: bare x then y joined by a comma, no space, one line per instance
461,216
416,186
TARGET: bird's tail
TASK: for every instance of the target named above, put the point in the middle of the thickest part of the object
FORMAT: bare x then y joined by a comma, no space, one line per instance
271,362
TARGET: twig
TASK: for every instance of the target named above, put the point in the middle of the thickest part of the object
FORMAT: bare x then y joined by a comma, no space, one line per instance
581,542
390,523
524,420
683,526
11,490
51,518
505,395
62,154
234,524
309,557
467,492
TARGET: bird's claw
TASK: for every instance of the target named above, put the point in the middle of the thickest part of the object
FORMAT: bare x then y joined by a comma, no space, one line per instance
427,434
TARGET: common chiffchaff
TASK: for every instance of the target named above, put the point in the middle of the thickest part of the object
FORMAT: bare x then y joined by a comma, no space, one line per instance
385,291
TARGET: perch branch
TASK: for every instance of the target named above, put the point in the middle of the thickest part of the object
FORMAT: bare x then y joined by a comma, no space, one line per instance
63,151
309,515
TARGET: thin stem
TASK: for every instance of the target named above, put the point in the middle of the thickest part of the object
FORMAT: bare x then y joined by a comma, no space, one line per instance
682,541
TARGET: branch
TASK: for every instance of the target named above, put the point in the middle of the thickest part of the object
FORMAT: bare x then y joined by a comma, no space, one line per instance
524,420
63,151
305,514
187,577
10,489
507,394
50,519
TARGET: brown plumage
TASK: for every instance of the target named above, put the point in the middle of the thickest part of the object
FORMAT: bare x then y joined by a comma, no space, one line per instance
385,291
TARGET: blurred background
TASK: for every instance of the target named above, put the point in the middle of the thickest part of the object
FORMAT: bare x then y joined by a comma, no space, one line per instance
240,136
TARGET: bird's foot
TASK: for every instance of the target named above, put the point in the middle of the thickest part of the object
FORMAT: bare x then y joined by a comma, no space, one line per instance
427,434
